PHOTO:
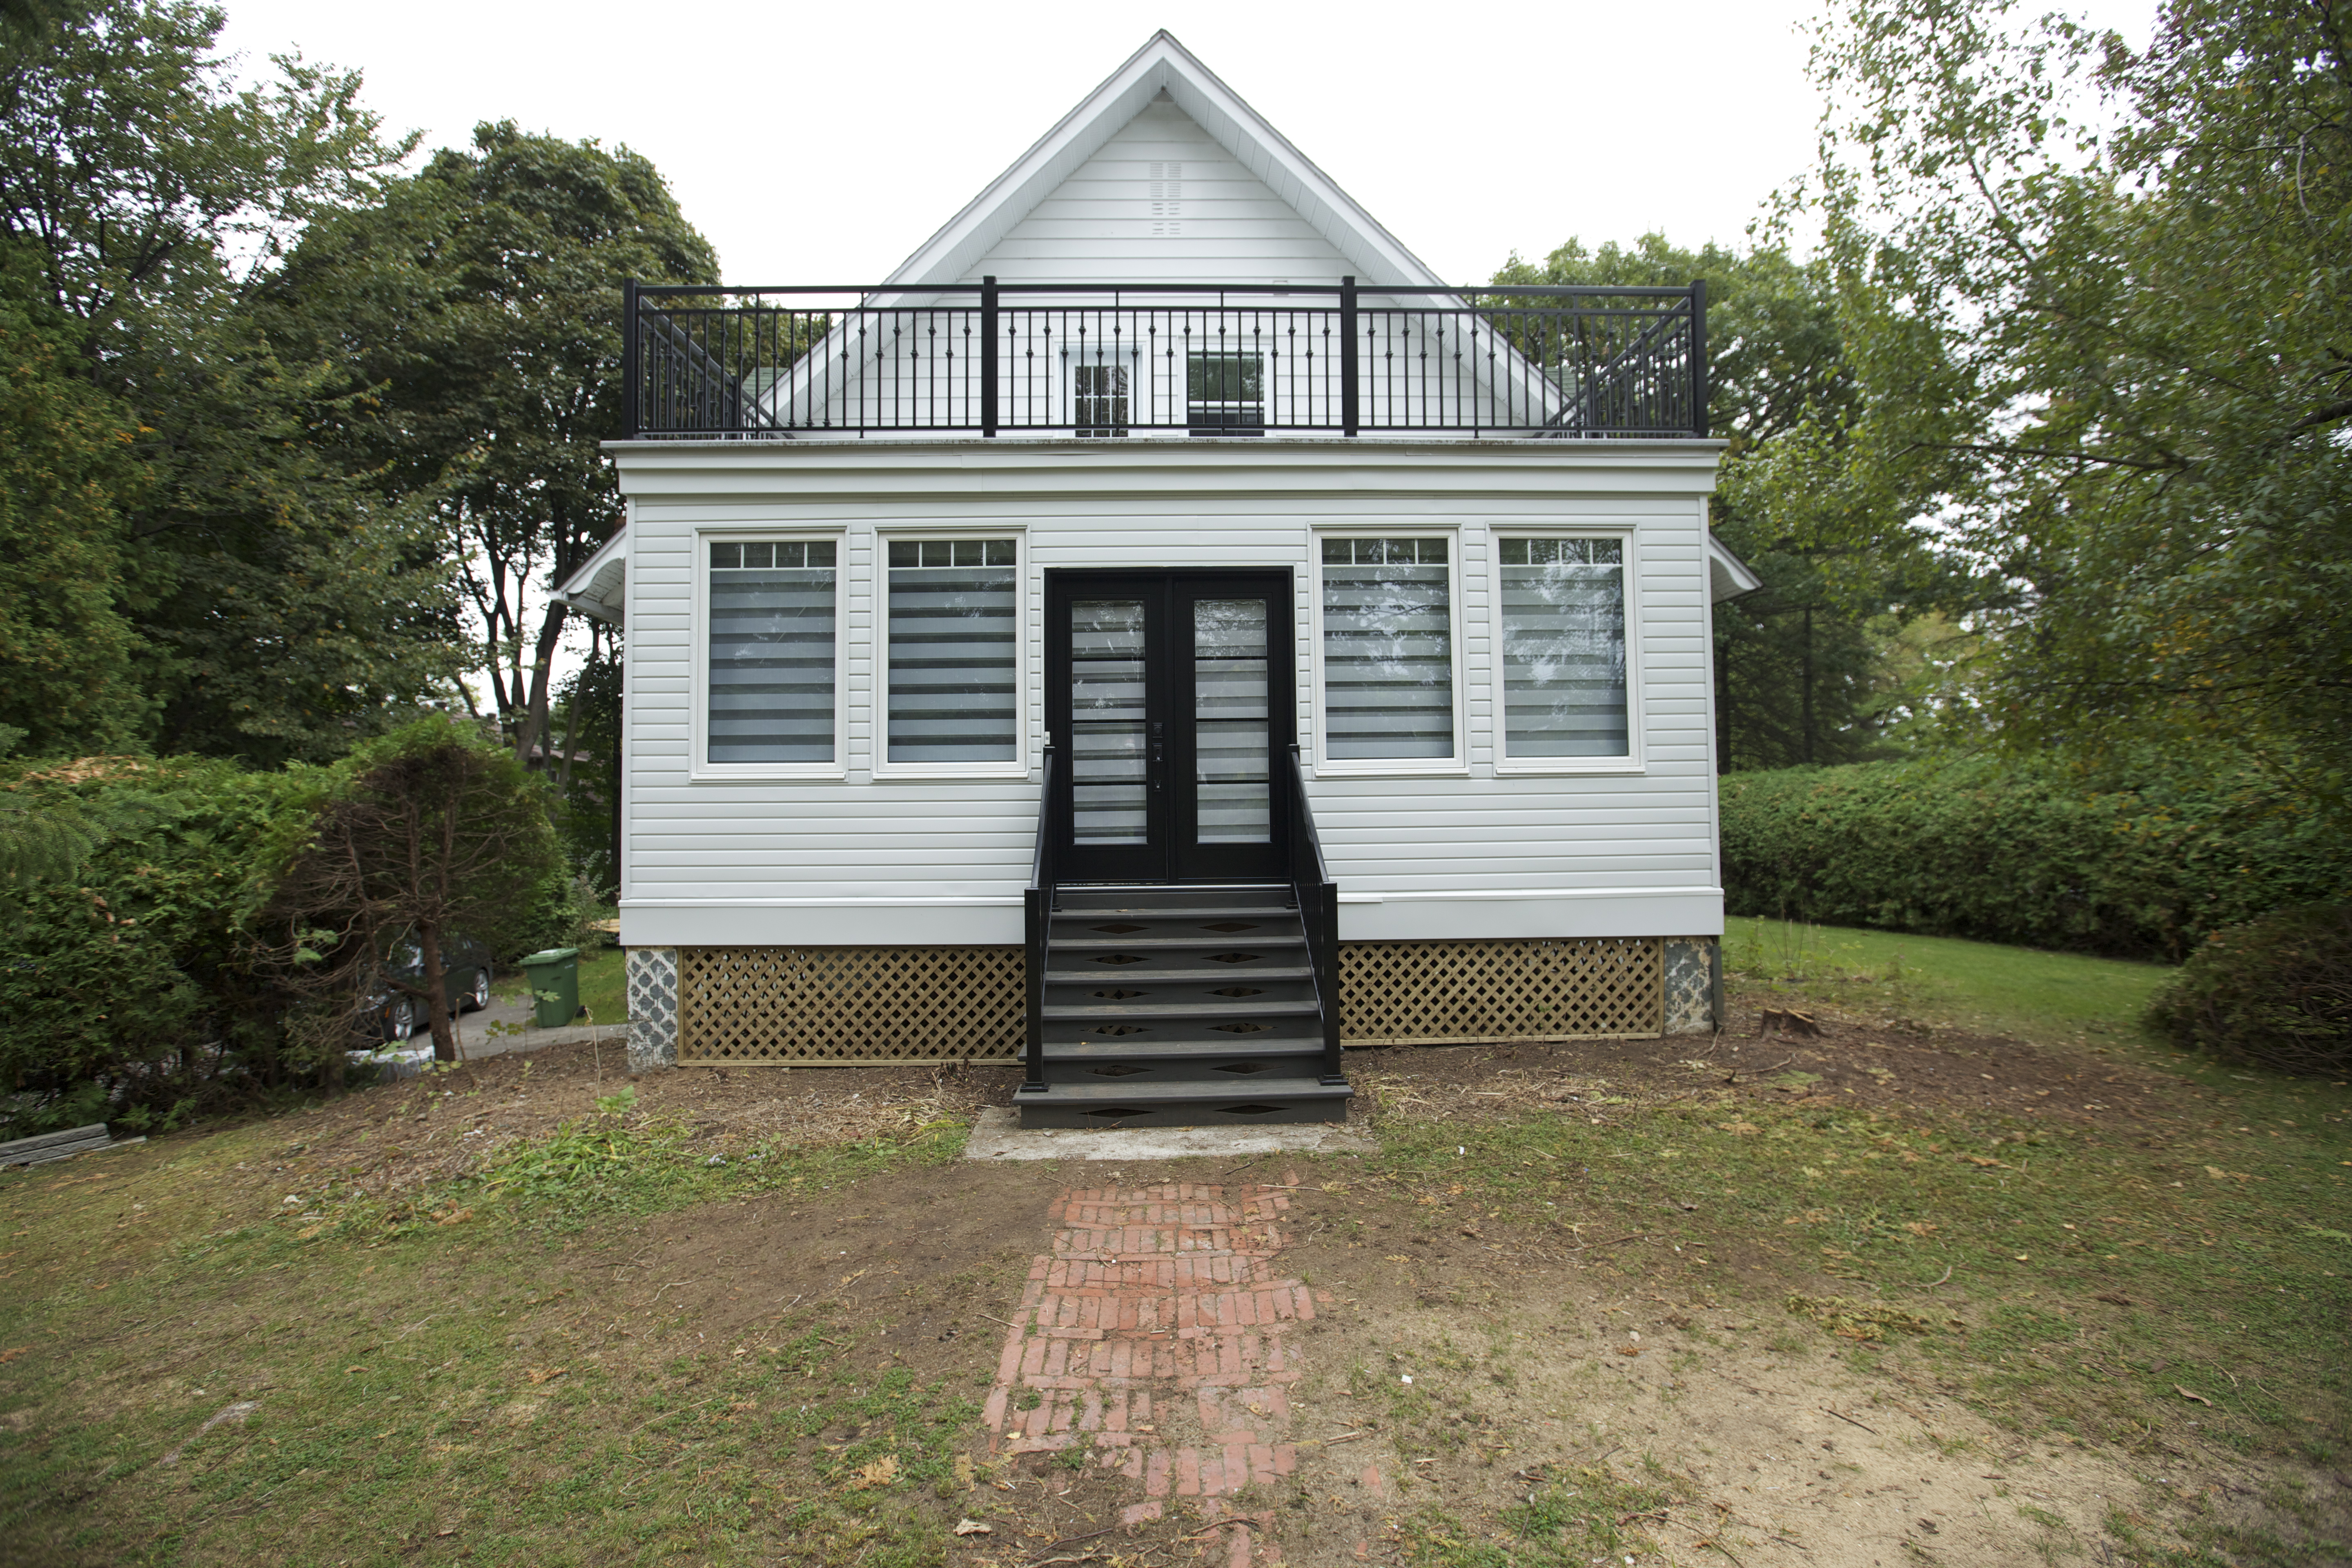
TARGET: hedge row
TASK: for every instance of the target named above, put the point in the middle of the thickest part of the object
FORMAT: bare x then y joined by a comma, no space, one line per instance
137,990
2001,853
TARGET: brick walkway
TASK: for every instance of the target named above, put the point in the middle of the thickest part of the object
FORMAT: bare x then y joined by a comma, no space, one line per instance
1157,1334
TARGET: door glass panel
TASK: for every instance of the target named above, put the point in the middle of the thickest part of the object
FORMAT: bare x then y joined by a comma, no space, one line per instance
1108,792
1229,686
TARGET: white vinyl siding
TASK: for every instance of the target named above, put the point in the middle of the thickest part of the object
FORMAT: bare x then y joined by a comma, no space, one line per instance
772,651
766,855
1162,202
1390,674
953,654
1564,659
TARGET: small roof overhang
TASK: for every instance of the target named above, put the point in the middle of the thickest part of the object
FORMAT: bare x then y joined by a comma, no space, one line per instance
1727,576
600,588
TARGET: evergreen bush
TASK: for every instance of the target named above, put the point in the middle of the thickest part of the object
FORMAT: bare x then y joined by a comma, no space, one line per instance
1998,852
2276,991
130,989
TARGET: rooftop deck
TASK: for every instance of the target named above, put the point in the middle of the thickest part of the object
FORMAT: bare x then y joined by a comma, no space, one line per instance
1103,361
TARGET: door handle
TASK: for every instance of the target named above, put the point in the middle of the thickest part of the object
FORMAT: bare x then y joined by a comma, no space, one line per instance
1157,756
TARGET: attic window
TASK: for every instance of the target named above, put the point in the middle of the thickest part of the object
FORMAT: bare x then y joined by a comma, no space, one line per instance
1167,186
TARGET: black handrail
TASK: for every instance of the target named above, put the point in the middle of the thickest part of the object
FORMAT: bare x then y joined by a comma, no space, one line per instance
1037,921
1095,360
1318,897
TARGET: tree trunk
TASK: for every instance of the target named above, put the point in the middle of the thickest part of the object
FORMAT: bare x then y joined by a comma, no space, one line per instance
436,994
1808,683
532,723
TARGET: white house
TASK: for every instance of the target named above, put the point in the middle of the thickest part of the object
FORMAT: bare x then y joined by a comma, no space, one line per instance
1163,634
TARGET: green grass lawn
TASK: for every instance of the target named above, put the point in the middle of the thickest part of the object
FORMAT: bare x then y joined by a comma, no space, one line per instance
2037,995
604,984
426,1388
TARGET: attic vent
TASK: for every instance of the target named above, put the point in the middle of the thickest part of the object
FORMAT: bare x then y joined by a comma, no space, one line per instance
1167,183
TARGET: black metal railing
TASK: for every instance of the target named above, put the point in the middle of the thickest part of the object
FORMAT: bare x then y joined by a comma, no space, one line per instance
1103,360
1038,925
1317,897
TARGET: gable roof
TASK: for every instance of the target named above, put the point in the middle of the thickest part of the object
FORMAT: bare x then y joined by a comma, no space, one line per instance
1163,65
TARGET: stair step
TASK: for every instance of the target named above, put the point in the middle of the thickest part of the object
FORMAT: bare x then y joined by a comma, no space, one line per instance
1128,1012
1107,974
1176,1103
1184,918
1147,940
1096,899
1182,1048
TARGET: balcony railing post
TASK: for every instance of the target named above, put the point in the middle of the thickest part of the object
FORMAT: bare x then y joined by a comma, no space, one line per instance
988,328
1349,420
630,424
1698,358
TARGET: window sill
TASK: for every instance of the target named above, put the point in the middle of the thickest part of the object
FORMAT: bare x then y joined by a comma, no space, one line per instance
776,773
1563,768
916,773
1366,769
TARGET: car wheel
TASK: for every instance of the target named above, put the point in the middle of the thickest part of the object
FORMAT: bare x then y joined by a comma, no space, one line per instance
402,1023
480,999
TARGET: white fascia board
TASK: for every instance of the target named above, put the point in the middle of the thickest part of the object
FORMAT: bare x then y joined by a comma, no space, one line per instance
600,587
1727,576
870,470
1163,64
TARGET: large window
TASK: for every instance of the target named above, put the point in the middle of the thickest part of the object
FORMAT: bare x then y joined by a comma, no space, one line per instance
1563,651
771,689
954,651
1388,650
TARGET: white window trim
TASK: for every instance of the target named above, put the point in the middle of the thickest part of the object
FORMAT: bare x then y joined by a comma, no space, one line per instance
886,771
703,770
1456,765
1506,765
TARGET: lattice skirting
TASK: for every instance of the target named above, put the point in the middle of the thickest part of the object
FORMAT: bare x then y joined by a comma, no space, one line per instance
849,1006
1460,993
855,1007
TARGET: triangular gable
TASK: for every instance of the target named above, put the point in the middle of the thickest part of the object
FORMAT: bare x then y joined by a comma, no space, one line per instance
1163,65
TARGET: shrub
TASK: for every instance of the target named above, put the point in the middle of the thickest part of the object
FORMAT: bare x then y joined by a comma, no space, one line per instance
130,988
2002,853
2276,991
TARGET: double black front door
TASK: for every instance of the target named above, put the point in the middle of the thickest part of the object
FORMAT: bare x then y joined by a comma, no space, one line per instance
1168,696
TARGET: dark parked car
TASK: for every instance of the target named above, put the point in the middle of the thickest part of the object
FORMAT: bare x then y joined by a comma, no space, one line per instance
466,979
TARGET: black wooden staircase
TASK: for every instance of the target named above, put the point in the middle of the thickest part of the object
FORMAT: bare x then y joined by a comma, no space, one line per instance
1179,1004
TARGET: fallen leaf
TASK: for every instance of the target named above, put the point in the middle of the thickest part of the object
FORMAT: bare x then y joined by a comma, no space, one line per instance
972,1527
547,1374
963,1469
2185,1395
2218,1173
880,1473
7,1356
349,1369
1628,1349
2110,1295
459,1217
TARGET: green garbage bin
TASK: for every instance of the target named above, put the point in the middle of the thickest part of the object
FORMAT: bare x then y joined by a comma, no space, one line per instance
555,977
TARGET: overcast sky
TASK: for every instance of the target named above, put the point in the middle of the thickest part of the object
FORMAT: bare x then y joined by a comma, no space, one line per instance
821,143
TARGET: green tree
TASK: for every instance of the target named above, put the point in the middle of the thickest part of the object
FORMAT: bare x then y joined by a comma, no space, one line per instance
66,474
276,607
2098,304
424,834
1798,672
479,304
